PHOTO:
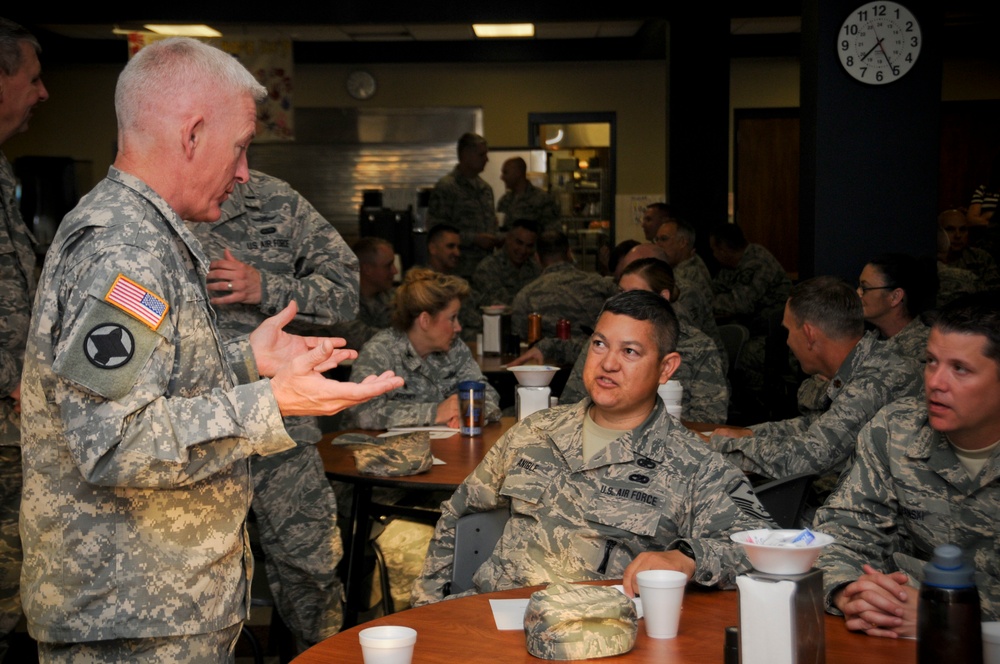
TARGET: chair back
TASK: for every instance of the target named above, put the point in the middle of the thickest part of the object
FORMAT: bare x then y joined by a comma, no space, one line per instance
784,499
476,535
734,336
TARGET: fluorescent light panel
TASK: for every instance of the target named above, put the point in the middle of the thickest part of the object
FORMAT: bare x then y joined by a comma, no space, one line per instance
183,30
489,30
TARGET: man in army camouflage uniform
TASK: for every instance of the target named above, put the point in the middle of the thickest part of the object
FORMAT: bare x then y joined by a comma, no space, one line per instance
524,200
377,265
927,473
825,324
607,487
652,217
269,247
501,275
677,237
138,419
562,291
464,200
21,83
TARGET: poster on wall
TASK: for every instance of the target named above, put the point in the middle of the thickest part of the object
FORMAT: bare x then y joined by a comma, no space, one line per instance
628,212
270,61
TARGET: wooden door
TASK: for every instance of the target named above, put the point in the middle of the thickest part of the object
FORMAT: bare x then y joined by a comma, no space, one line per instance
766,181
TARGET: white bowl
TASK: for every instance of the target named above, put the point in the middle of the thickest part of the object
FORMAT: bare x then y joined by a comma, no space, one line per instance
777,558
534,375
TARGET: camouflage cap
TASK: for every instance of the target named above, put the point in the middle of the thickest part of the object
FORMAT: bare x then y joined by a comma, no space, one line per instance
579,622
408,454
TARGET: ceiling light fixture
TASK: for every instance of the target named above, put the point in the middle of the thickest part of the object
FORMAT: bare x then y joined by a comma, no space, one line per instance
183,30
491,30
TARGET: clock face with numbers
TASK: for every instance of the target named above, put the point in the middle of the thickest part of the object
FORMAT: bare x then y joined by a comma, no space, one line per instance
879,42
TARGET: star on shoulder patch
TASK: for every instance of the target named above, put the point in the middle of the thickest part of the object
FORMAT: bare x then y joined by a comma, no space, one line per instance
109,346
137,301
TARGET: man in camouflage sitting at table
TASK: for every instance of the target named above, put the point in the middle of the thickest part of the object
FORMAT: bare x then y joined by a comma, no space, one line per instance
607,487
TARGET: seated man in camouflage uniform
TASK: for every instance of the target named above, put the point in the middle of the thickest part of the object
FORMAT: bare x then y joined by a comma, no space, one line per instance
607,487
524,200
926,474
960,255
377,264
500,276
825,323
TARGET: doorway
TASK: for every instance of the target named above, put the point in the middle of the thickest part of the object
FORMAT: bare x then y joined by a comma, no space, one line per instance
580,151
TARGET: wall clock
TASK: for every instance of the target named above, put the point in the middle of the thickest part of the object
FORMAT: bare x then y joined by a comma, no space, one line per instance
879,42
361,85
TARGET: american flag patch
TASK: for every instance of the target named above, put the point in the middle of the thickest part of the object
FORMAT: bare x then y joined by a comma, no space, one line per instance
136,301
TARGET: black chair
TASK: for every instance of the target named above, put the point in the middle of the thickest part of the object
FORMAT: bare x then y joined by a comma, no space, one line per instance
784,499
734,336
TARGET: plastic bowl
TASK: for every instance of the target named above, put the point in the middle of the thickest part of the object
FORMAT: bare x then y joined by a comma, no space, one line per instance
534,375
778,559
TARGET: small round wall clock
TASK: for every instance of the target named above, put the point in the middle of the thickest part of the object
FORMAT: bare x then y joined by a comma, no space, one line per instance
879,42
361,85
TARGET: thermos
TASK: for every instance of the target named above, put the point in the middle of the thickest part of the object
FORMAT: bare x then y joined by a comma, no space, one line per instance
949,627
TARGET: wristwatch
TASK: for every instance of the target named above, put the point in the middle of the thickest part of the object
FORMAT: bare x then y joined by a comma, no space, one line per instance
686,549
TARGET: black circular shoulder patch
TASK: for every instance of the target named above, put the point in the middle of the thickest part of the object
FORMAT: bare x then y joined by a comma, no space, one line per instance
109,346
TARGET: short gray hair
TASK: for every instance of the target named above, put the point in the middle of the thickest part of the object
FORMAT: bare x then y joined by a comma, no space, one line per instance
11,36
168,68
829,303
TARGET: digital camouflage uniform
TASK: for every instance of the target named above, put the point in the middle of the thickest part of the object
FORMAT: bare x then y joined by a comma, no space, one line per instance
871,377
693,308
466,204
17,291
911,341
533,204
498,280
374,314
701,374
752,293
980,263
299,256
139,422
757,286
906,493
428,381
562,291
576,520
954,282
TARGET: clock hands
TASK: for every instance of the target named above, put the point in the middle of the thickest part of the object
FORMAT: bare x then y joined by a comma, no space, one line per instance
877,45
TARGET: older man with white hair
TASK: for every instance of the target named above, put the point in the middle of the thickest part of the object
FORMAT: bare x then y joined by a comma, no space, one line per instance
139,421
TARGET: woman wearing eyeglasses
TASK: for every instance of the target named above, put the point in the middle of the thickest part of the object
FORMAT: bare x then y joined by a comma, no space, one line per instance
896,289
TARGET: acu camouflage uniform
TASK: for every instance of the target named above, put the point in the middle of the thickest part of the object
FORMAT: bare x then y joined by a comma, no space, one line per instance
299,256
911,341
694,309
428,381
562,291
17,291
906,493
466,204
576,519
871,377
701,374
497,280
533,204
757,286
136,435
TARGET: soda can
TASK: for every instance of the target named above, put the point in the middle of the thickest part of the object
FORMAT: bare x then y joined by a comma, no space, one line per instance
563,328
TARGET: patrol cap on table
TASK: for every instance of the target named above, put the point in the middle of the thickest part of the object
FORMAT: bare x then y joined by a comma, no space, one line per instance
407,454
567,621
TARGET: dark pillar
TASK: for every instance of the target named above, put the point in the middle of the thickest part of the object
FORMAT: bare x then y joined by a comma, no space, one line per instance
869,153
698,106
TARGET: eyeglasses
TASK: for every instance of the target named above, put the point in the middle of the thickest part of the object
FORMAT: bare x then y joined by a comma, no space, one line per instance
865,289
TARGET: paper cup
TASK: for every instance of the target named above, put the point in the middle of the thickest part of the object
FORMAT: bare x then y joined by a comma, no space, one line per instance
662,592
387,644
991,643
